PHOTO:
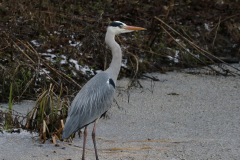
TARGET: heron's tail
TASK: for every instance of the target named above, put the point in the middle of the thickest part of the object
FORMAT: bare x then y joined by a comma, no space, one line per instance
69,128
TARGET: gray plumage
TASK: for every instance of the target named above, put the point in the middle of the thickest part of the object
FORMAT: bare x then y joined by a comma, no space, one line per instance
96,96
91,102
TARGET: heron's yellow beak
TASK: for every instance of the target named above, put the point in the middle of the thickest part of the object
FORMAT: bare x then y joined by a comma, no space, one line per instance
134,28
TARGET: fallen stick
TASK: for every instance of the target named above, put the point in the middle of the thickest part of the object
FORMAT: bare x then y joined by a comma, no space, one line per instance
129,148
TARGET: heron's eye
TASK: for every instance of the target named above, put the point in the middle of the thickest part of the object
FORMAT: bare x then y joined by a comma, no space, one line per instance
121,26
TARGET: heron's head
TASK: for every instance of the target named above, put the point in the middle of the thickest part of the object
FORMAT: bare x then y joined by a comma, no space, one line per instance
118,27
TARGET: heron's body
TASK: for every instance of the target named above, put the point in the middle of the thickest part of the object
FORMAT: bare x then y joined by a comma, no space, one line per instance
97,94
91,102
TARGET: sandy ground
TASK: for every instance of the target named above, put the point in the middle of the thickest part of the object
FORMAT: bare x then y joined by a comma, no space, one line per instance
180,117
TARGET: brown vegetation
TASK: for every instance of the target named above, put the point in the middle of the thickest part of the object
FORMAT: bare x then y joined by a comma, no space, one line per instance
40,39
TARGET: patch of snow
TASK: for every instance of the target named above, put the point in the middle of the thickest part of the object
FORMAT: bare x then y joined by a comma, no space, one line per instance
48,54
197,34
74,73
124,63
77,66
124,47
206,26
175,58
197,55
50,50
43,71
98,71
74,44
86,68
170,57
55,32
64,59
36,43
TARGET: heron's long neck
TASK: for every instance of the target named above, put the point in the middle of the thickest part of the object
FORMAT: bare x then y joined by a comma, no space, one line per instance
115,65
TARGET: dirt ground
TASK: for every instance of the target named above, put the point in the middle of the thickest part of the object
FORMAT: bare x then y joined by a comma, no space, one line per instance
181,117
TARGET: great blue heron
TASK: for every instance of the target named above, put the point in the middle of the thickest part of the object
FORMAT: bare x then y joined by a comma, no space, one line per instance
96,96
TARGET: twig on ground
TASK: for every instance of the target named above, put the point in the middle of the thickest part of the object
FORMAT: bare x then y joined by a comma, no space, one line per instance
152,78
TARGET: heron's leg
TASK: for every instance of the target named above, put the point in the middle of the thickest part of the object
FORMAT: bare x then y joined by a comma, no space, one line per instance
84,142
94,140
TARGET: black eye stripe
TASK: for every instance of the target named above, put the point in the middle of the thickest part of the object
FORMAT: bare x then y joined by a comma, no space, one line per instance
115,24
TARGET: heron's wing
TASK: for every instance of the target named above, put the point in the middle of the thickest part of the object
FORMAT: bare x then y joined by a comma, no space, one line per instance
91,102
